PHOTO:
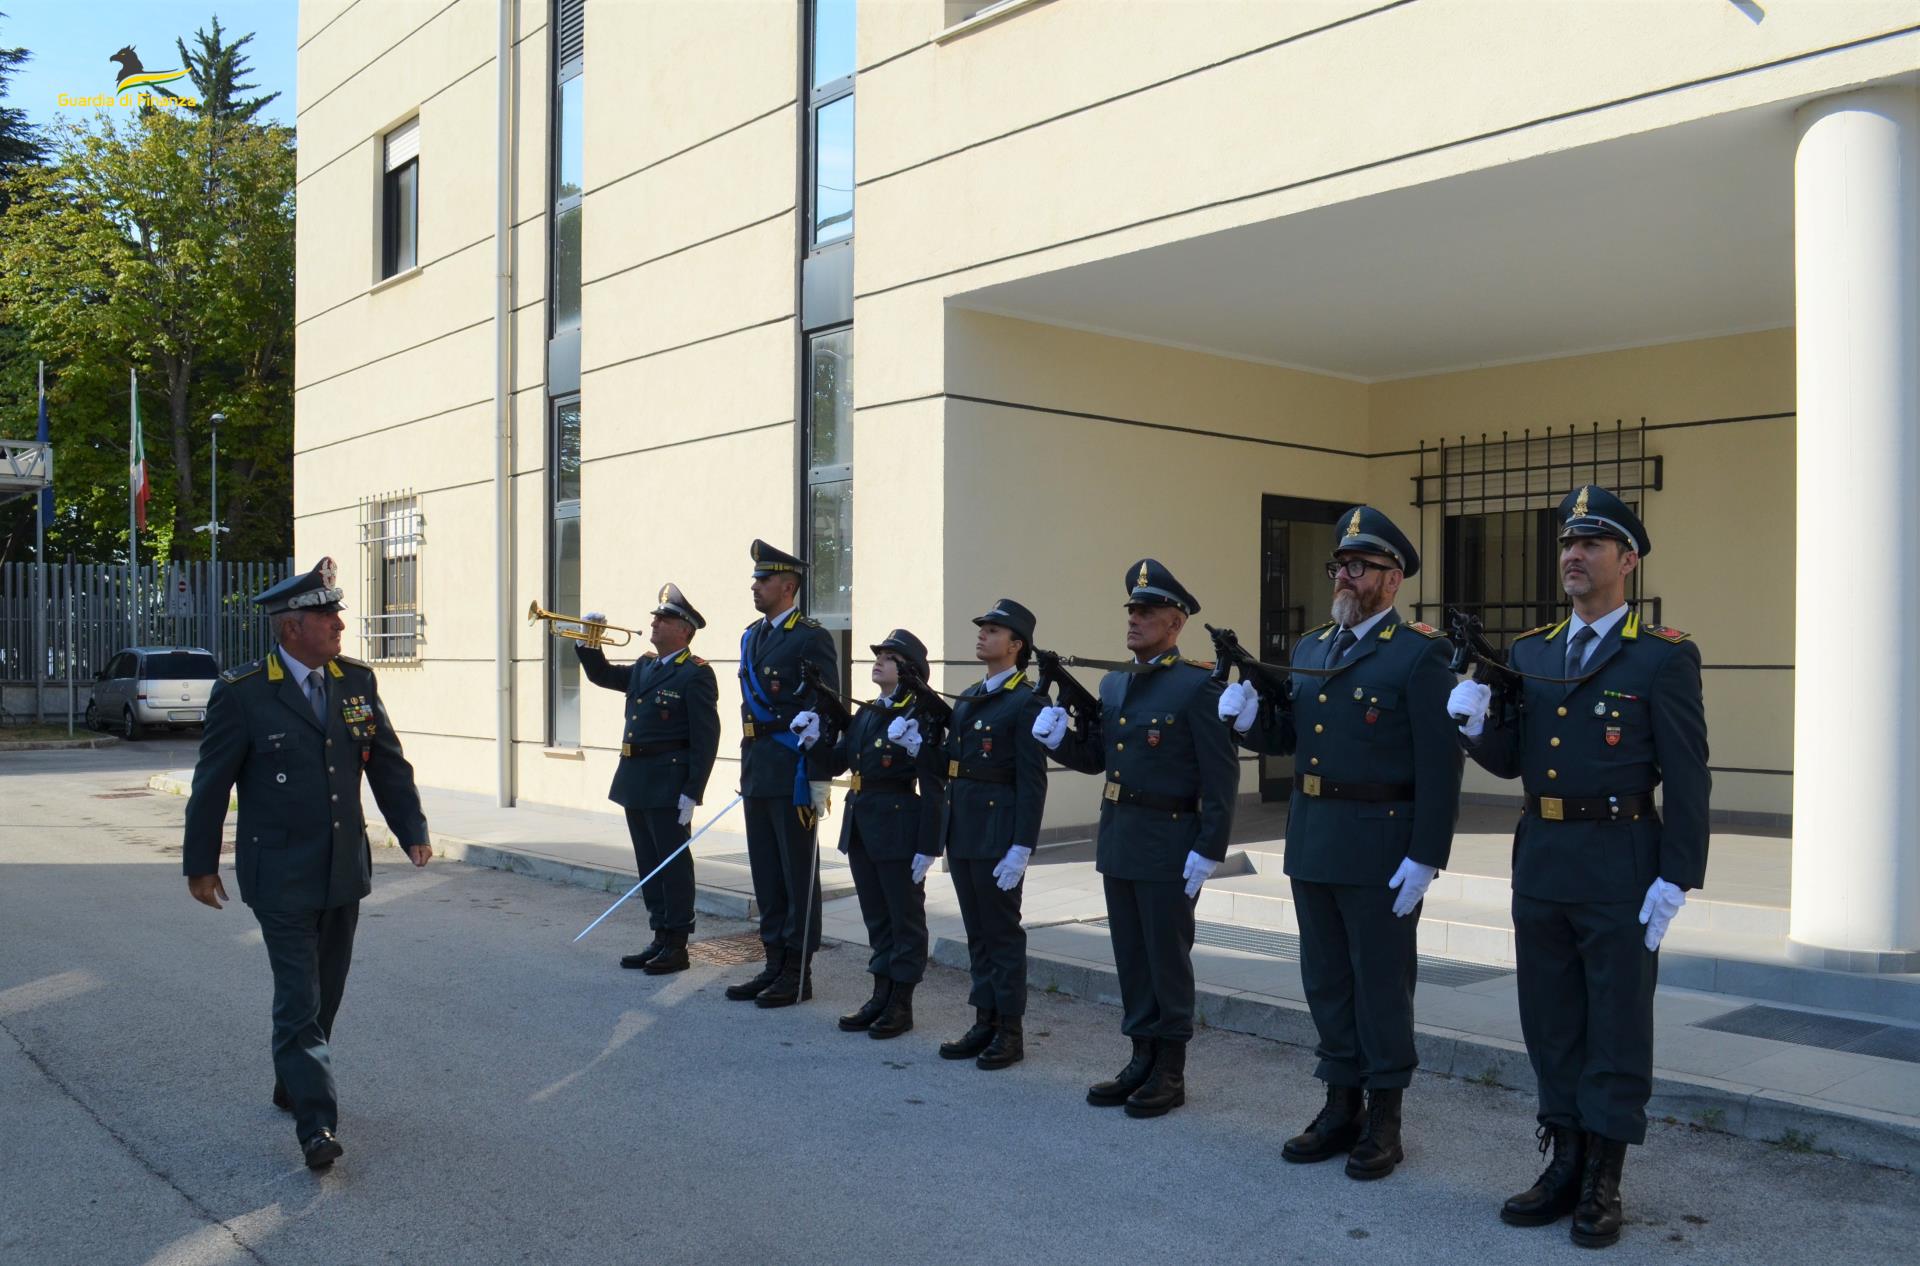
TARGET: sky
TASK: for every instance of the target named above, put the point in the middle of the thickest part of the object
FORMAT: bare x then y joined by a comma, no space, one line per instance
72,40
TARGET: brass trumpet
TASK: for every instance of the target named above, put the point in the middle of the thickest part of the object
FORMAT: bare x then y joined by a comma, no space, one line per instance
593,632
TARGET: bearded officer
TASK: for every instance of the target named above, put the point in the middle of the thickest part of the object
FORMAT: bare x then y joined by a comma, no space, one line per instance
1609,708
1375,794
294,732
667,751
783,789
1165,814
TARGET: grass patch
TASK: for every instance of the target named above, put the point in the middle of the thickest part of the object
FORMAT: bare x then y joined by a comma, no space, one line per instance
44,733
1489,1076
1714,1119
1795,1141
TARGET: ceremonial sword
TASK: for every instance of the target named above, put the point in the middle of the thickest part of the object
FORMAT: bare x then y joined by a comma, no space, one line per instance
657,869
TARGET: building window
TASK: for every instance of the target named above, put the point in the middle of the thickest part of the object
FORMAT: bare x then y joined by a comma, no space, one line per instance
830,476
1498,501
564,568
392,625
568,186
400,200
830,122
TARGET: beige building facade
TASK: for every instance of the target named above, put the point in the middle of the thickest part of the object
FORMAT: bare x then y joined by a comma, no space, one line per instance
971,300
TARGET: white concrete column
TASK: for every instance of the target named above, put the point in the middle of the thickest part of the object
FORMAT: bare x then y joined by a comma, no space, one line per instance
1856,741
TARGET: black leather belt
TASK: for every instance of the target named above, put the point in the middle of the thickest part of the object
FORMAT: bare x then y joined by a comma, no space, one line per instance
1148,800
861,783
1370,792
652,749
979,773
1591,809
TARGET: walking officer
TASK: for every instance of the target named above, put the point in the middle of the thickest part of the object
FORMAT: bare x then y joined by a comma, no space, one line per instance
1165,812
890,831
667,749
996,793
294,732
783,790
1608,709
1376,790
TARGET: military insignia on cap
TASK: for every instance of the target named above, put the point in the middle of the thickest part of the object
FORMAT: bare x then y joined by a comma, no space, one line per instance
1143,573
1580,503
327,572
664,591
1353,524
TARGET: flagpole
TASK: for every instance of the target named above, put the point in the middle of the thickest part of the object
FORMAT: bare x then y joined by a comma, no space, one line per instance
133,533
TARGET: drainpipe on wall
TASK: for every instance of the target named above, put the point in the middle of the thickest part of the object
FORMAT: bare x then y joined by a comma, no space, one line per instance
503,411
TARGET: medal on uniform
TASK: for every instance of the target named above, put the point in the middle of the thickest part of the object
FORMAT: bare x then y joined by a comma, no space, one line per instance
986,747
1153,738
1373,714
1600,708
1358,693
976,725
886,761
1613,736
773,685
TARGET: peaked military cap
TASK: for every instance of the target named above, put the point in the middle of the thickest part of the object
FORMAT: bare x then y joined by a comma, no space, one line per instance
1366,529
1150,584
1591,510
1011,615
767,560
673,602
309,591
908,647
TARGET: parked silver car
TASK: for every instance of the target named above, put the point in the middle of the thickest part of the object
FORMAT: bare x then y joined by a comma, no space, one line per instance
152,686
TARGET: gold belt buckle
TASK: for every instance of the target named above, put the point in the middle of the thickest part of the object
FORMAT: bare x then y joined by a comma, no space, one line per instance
626,749
748,727
1111,792
1553,809
853,784
1309,784
953,769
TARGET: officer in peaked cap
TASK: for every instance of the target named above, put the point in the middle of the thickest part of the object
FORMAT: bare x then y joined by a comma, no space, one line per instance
1609,709
1375,792
890,831
1165,814
784,789
996,793
294,733
667,749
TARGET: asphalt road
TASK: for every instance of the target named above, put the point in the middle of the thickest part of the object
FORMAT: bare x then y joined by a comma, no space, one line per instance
510,1097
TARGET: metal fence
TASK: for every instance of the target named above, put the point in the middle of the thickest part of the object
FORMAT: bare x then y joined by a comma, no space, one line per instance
93,610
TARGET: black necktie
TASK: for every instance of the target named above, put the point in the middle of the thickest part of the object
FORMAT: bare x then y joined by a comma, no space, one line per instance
317,696
1577,650
1342,643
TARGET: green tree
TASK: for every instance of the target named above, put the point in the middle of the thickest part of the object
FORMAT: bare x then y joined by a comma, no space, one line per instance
163,242
216,69
20,146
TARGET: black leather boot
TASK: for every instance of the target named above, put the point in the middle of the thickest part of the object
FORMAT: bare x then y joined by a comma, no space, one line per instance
974,1040
1111,1094
898,1016
1597,1219
647,955
1332,1133
793,984
1377,1150
751,988
869,1011
1006,1049
1555,1193
1166,1085
672,958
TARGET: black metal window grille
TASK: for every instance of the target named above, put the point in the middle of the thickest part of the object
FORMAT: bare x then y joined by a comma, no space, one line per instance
570,22
1495,499
392,623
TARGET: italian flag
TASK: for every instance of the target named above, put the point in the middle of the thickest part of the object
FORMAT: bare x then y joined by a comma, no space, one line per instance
137,486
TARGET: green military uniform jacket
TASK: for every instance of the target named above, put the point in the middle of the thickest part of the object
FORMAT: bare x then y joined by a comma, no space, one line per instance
767,765
1159,734
1637,720
672,731
301,840
1380,719
992,733
894,806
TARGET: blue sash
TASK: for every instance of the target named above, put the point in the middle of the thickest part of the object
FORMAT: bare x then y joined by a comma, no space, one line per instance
761,707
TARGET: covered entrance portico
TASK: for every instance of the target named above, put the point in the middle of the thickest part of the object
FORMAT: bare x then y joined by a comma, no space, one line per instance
1738,283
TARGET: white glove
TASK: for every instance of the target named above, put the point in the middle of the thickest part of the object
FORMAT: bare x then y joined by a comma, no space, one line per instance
1199,870
1411,879
921,865
906,732
1050,727
1012,868
805,726
1240,704
687,806
1663,902
572,626
1470,699
822,797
